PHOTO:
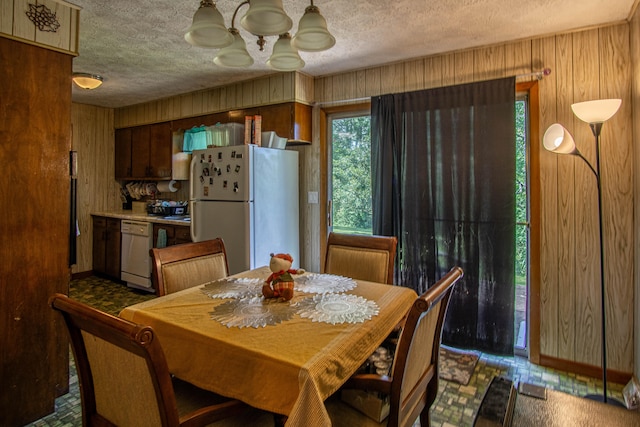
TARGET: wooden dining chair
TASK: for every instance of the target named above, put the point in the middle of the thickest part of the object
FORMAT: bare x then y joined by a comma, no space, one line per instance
185,265
412,385
125,381
361,257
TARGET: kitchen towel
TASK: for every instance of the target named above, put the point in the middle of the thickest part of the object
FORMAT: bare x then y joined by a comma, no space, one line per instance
168,186
162,238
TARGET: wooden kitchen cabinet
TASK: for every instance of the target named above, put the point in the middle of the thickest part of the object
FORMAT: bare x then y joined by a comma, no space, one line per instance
291,120
176,234
106,246
144,152
123,153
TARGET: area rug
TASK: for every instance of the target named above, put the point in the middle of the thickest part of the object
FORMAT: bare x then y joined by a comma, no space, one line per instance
457,365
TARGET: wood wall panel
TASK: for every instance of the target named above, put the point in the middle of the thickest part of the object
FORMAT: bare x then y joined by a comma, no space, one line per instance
273,89
617,173
35,130
635,84
93,139
563,223
585,331
584,65
543,51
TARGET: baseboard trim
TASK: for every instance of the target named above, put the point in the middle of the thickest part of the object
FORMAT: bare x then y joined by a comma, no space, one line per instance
82,275
614,376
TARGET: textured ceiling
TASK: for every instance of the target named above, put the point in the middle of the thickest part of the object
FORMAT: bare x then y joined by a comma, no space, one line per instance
139,47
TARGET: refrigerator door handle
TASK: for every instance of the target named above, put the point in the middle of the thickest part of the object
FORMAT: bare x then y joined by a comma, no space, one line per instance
193,215
192,181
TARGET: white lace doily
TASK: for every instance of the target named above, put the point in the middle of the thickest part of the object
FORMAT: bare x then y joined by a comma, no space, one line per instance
233,287
337,308
255,312
323,283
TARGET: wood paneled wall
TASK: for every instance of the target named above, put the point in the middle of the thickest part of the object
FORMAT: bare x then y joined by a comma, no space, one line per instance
635,85
93,139
590,64
272,89
585,65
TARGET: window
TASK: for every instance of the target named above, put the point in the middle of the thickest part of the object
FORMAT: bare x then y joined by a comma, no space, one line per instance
349,190
350,178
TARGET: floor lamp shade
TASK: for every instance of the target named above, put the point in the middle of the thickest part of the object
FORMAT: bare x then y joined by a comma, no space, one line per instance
558,140
598,111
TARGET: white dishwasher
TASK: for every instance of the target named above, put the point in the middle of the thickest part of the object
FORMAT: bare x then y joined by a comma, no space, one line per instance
137,239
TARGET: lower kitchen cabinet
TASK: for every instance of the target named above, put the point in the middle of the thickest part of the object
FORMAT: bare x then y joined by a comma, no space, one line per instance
176,234
106,246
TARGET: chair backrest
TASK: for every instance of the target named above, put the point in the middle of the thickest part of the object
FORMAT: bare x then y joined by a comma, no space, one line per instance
123,374
415,368
361,257
185,265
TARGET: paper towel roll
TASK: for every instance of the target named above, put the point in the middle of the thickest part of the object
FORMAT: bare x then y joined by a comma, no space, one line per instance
168,186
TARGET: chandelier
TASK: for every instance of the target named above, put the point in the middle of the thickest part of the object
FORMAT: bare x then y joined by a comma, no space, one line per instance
263,18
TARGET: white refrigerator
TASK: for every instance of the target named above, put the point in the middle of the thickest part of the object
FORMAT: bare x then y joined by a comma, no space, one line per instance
248,196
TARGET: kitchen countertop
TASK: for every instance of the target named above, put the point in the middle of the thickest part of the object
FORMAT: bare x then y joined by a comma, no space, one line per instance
135,216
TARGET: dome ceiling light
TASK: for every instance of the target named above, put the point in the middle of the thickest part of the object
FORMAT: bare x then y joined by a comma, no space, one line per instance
87,80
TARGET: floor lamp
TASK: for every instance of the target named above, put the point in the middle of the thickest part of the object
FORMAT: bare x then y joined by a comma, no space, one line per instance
557,139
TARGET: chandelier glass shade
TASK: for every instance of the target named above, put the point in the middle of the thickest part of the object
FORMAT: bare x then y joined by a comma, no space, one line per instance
313,35
263,18
234,55
266,18
284,56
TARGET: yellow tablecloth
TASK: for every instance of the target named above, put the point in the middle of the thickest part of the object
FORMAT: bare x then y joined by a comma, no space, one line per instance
289,368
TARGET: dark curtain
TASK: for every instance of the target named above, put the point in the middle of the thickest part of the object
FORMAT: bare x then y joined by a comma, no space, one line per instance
443,168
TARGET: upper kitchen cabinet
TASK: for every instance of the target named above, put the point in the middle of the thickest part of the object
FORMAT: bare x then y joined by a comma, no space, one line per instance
144,152
52,24
291,120
123,153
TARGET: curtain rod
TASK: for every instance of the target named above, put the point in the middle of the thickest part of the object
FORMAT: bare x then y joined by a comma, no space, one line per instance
537,74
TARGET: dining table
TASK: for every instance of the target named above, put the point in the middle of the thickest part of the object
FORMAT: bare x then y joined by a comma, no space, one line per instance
285,357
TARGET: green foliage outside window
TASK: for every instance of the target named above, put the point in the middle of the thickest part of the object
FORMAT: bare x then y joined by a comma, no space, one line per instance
521,193
351,175
351,180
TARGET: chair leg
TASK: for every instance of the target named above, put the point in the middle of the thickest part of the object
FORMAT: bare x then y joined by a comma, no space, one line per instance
279,420
425,421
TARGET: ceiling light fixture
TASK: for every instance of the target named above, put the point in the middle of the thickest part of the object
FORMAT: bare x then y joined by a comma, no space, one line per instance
263,18
86,80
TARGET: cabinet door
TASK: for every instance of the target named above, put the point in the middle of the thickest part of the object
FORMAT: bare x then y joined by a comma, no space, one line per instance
140,151
169,231
99,248
289,120
112,248
160,150
123,153
183,234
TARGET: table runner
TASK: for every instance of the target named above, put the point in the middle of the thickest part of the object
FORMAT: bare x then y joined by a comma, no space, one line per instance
288,368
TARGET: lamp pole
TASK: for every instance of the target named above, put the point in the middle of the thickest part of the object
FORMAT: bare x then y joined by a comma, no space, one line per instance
596,128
